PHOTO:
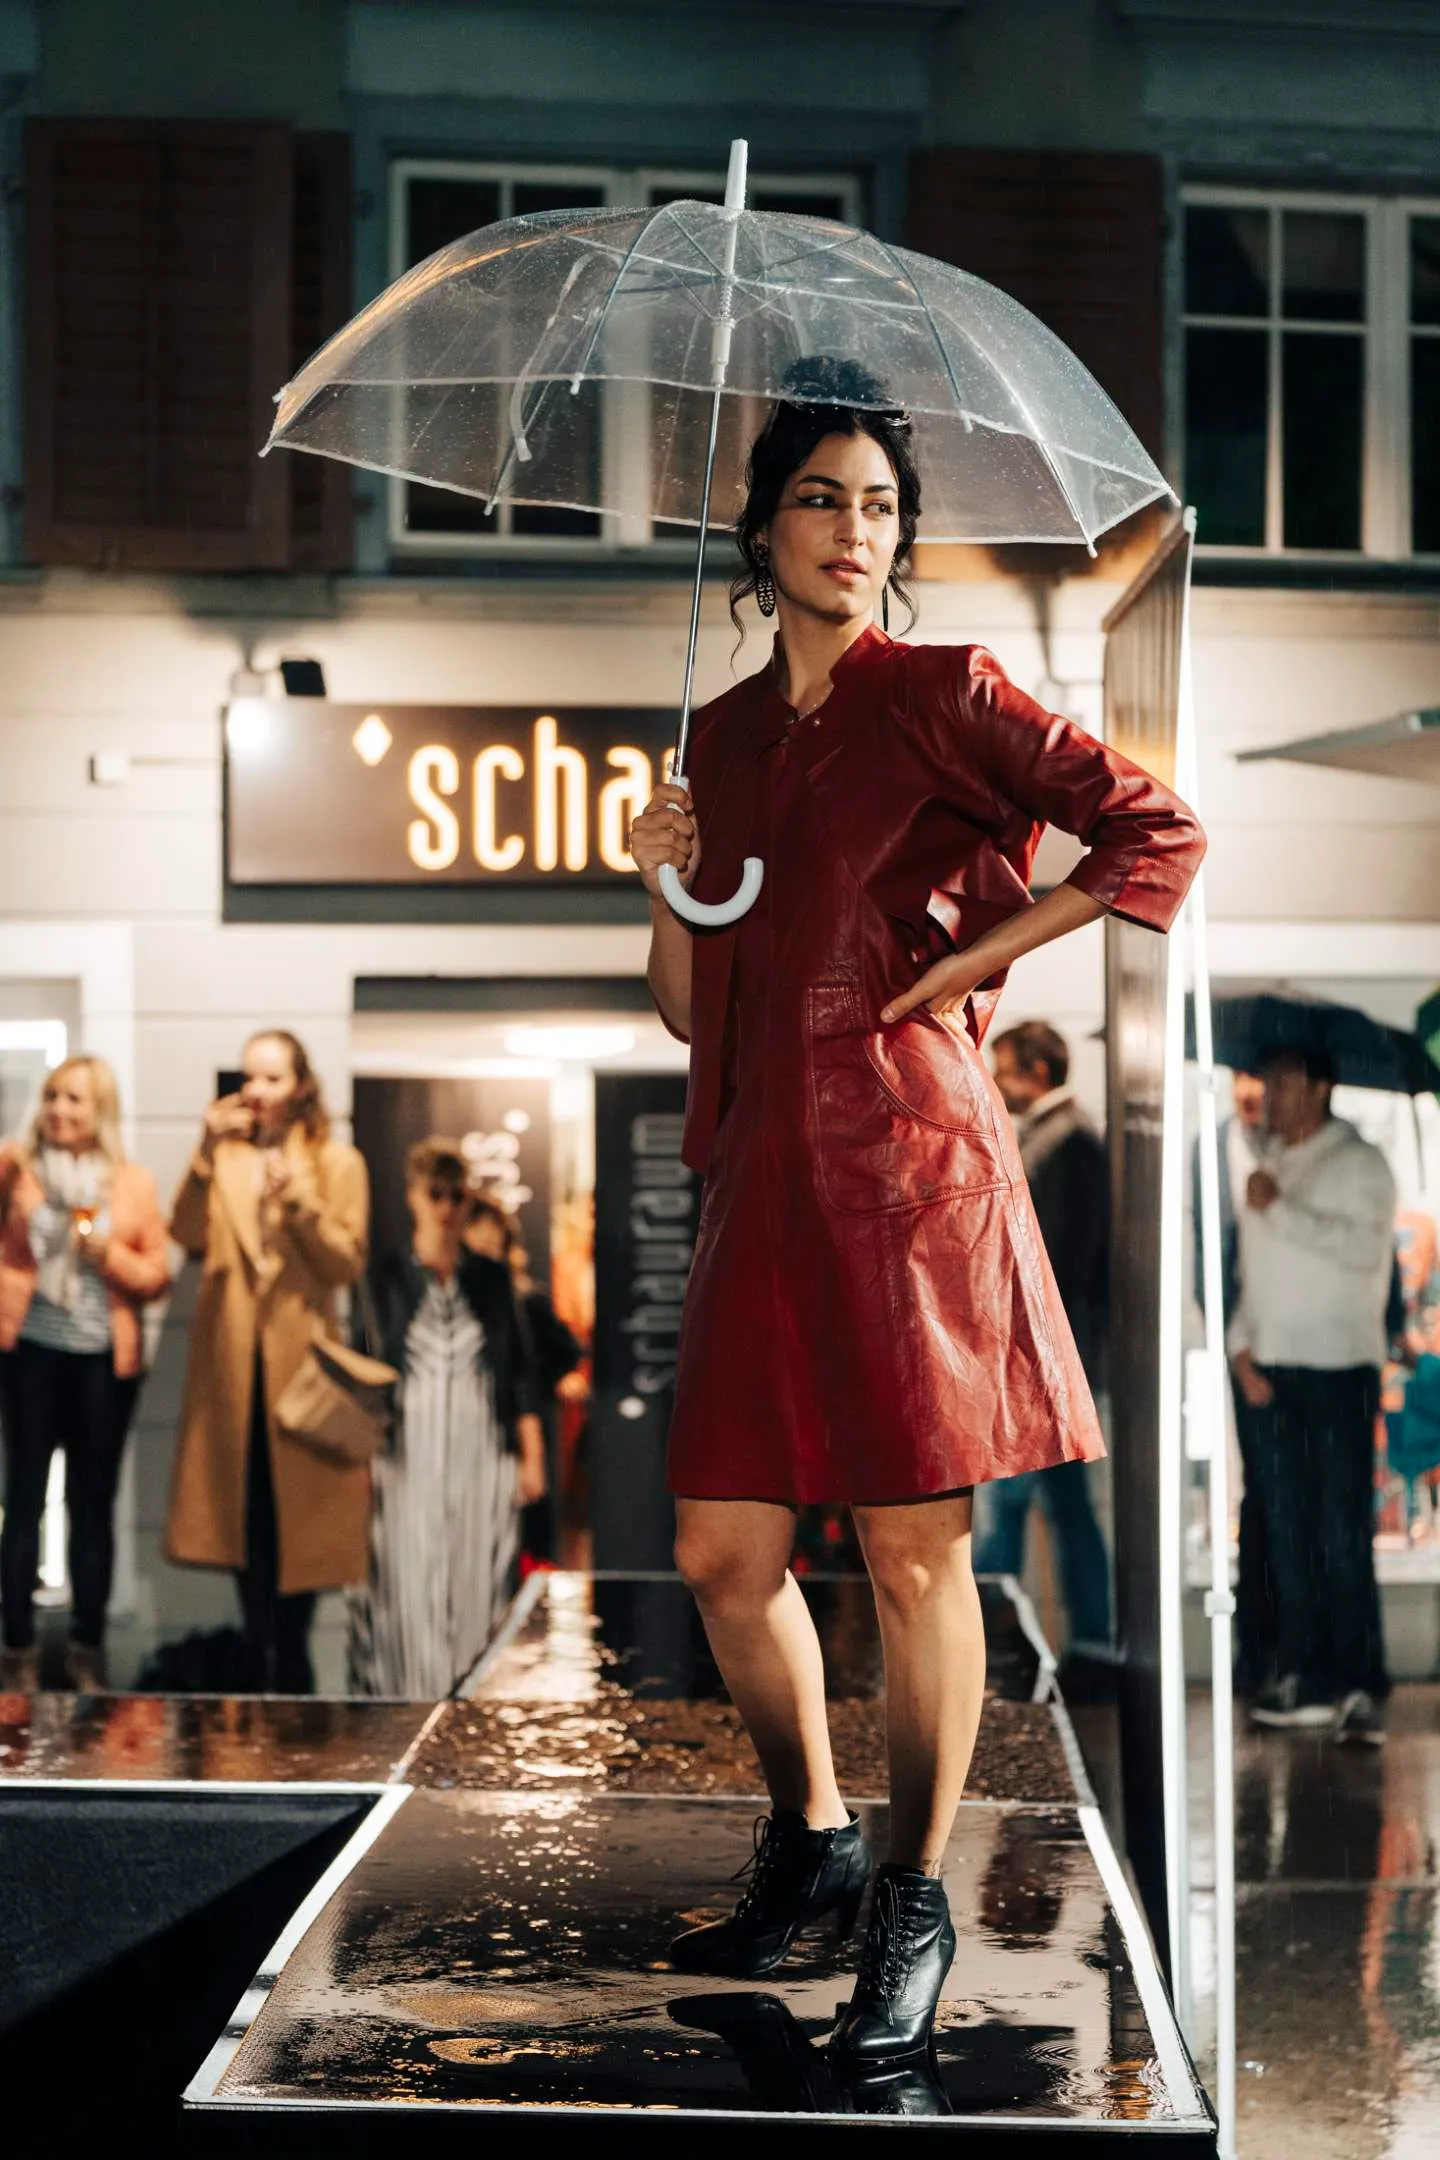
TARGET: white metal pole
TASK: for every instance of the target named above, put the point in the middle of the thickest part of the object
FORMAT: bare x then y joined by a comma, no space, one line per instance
1171,1483
1219,1602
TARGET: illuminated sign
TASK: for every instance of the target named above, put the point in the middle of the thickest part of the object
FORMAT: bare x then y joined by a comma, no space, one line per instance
324,794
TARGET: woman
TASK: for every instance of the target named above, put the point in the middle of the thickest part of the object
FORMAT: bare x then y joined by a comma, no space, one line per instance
82,1251
871,1319
444,1535
555,1355
277,1213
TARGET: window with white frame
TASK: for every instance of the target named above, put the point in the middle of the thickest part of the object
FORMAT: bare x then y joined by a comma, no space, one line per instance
434,201
1312,372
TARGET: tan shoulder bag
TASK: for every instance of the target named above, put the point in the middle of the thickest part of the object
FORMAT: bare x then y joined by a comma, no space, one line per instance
339,1402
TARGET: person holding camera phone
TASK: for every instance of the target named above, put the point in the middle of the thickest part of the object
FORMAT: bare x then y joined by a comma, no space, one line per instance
277,1212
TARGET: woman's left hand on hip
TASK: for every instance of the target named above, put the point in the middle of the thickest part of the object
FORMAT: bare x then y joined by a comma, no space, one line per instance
942,988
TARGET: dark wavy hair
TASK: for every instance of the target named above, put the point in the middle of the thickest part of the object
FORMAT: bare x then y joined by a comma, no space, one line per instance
827,396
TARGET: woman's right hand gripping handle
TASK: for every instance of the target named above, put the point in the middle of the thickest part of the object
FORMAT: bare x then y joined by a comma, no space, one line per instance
666,832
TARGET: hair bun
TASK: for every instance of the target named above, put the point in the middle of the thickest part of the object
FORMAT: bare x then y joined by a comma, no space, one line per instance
830,379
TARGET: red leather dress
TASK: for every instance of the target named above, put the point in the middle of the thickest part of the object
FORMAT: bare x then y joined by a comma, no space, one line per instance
871,1316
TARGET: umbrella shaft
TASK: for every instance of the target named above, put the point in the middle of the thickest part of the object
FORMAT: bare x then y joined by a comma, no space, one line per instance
719,363
682,740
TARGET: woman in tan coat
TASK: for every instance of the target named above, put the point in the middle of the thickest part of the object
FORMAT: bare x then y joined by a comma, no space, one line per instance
278,1213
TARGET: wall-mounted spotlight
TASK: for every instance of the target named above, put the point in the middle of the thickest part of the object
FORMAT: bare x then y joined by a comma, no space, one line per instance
303,678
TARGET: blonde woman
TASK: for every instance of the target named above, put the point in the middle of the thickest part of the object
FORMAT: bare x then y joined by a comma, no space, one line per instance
278,1214
82,1250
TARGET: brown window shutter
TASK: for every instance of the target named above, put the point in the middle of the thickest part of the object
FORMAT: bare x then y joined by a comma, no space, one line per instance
1075,236
321,503
158,310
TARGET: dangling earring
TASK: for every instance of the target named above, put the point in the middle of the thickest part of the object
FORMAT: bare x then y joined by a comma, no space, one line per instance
885,607
765,586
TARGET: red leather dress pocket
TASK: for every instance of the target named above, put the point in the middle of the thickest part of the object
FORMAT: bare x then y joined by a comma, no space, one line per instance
902,1116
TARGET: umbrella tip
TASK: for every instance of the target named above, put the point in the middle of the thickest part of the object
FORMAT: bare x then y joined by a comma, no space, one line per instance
735,178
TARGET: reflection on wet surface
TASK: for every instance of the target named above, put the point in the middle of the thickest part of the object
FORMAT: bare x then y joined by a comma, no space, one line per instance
513,1949
609,1684
221,1737
614,1744
1338,1935
642,1634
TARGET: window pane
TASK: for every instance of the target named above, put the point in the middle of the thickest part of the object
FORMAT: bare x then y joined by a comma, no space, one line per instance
438,510
533,518
1324,264
1322,381
1425,444
1225,434
1425,270
439,211
823,203
535,195
1227,261
694,191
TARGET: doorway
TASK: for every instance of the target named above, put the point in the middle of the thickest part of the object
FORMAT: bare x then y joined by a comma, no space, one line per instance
566,1100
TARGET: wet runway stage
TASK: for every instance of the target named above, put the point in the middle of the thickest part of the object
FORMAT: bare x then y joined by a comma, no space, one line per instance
501,1942
509,1951
486,1953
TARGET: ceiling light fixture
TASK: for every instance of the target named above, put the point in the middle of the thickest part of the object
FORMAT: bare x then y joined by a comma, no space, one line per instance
574,1045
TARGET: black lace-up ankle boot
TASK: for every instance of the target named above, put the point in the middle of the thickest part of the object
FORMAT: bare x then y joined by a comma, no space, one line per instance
909,1947
797,1875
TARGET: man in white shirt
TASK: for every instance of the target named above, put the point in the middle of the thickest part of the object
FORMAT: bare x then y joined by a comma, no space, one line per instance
1307,1340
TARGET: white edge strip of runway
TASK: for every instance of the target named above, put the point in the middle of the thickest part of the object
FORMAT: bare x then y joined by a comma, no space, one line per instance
1180,2080
252,1788
1030,1628
388,1802
526,1598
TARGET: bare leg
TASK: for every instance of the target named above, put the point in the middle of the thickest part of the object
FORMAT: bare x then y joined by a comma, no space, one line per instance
934,1641
735,1556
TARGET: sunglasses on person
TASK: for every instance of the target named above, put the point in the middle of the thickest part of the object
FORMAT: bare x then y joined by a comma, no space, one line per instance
447,1196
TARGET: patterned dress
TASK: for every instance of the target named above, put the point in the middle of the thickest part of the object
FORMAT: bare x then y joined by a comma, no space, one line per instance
444,1529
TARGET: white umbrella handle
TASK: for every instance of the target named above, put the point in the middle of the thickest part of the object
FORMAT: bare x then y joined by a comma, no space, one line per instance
711,912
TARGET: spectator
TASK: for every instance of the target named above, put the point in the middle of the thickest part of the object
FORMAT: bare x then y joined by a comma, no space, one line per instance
277,1212
556,1355
1307,1342
1066,1164
468,1448
82,1250
1241,1146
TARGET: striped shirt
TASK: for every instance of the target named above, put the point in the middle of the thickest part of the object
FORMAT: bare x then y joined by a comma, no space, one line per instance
83,1327
444,1530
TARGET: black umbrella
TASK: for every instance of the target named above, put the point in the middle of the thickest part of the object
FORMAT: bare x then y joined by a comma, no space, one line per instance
1253,1026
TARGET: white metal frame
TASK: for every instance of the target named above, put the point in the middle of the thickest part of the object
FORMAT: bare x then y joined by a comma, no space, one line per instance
620,187
1214,1447
1386,333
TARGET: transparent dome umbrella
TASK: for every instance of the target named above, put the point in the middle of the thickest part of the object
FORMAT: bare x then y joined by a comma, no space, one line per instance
622,361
